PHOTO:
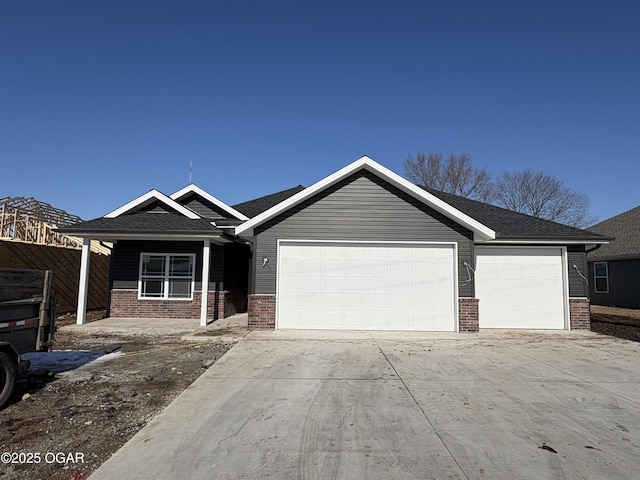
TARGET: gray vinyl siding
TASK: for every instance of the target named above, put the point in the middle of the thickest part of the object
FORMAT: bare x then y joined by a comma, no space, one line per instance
578,286
126,261
624,284
361,207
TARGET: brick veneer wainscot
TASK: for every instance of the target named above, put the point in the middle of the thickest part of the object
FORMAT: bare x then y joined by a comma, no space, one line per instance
262,312
125,304
468,317
580,313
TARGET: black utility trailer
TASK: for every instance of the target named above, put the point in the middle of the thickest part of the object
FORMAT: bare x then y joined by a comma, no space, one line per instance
27,322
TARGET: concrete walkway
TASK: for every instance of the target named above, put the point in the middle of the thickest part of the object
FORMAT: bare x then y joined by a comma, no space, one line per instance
235,326
366,405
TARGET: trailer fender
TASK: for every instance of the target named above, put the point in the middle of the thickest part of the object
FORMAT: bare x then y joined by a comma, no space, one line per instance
6,347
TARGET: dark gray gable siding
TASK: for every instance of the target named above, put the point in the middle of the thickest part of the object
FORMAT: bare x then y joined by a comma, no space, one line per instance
624,284
155,206
361,207
125,261
203,207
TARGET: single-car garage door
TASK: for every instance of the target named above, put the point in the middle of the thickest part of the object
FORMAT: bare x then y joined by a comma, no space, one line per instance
366,286
521,287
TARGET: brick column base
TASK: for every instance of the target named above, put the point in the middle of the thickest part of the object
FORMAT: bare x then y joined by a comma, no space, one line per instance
468,318
580,313
262,312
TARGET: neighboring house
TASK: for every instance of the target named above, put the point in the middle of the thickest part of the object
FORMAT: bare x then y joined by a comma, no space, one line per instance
361,249
614,269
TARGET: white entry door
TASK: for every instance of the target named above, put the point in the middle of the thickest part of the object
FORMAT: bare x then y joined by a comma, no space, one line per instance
366,286
521,287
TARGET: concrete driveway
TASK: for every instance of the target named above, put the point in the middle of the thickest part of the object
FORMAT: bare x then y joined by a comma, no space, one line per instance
369,405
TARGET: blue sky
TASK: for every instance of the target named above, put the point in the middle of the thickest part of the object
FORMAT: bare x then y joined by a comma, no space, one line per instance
102,101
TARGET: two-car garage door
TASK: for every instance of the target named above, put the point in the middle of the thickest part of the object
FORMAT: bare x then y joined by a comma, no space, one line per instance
366,286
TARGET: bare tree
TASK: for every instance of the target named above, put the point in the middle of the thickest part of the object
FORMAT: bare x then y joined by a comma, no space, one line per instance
455,174
542,196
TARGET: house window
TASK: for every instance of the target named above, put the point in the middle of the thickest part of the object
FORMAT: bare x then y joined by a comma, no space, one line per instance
166,275
601,276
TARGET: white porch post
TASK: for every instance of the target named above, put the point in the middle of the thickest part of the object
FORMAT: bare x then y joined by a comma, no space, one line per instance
206,259
83,284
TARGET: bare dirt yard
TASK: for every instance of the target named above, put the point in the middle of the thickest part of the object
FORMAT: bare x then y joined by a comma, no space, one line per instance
65,425
618,322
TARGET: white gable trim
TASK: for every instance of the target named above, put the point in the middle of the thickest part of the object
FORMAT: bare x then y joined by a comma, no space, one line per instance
481,232
198,191
149,197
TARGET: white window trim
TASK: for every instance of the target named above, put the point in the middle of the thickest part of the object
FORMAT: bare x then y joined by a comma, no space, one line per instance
596,277
165,295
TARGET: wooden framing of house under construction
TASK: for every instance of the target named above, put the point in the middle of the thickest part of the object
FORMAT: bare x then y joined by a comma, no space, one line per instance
31,221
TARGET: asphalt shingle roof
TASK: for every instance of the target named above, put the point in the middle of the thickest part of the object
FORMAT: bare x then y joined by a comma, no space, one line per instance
506,223
625,228
513,225
255,207
144,222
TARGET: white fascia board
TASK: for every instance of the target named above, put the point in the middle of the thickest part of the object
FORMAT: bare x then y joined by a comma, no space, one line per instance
219,203
148,197
480,231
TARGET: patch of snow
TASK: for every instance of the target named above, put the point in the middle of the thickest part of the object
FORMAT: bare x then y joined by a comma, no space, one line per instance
60,361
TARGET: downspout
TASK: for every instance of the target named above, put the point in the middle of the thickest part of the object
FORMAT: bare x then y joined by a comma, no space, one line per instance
593,249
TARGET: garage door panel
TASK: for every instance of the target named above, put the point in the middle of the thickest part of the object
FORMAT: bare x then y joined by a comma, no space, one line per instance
354,284
355,266
366,286
520,287
399,269
290,283
354,301
308,283
380,301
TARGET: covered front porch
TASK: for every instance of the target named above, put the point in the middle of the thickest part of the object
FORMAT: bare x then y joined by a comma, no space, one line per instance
134,292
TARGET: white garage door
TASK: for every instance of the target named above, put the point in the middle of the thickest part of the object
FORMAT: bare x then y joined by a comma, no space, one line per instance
520,287
372,286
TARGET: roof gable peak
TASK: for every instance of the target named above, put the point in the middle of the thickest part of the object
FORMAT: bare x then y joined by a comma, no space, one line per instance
193,188
151,196
480,231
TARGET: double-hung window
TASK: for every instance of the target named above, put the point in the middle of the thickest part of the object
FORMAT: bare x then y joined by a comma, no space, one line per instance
167,275
601,276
